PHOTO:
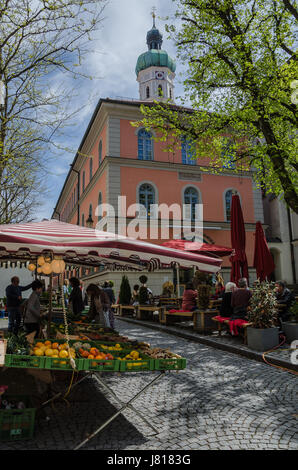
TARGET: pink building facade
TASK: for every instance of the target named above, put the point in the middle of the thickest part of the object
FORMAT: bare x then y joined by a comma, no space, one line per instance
116,159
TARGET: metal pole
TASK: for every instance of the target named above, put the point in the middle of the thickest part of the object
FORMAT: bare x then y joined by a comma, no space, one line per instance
118,413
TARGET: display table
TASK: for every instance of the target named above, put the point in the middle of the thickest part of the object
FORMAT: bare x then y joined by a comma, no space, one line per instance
130,308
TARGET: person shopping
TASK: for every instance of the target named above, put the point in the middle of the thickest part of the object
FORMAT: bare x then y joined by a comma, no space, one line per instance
76,298
32,317
96,312
13,303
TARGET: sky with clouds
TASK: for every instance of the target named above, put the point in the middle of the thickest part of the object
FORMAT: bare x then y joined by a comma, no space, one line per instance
111,59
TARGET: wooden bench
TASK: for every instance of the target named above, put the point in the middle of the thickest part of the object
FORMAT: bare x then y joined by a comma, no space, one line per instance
148,308
116,307
131,308
227,322
163,317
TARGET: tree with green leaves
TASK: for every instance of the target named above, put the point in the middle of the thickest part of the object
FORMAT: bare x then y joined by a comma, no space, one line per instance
42,44
240,81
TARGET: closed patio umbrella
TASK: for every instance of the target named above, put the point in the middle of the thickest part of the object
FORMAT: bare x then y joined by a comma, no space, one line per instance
238,241
263,260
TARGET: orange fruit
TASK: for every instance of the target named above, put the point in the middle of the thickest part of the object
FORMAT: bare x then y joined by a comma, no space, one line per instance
91,356
55,345
85,354
38,345
38,352
55,352
48,343
63,354
49,352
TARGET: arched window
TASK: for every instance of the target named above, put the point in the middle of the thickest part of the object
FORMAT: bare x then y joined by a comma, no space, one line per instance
100,153
228,152
83,220
160,90
147,196
187,151
91,168
228,203
99,207
84,181
147,92
191,199
90,210
145,145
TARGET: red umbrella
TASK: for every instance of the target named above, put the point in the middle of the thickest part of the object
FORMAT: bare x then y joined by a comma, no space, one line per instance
263,260
197,247
238,239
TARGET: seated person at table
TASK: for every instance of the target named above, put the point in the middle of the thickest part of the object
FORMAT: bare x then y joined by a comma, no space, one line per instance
226,309
135,295
240,300
219,290
284,297
189,300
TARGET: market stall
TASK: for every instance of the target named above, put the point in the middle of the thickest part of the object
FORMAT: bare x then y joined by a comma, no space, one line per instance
49,246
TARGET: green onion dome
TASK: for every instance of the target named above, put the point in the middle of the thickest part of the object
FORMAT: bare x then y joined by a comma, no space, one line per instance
157,58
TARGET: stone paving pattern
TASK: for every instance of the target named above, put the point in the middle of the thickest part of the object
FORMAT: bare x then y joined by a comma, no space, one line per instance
220,401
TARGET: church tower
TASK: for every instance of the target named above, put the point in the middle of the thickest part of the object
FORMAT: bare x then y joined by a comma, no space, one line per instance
155,70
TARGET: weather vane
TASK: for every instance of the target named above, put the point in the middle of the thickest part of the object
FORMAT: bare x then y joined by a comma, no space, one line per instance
153,15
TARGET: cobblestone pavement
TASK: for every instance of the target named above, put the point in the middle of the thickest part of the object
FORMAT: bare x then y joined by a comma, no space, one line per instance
220,401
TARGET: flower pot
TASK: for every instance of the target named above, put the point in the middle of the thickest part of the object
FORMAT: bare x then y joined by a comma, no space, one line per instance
290,330
262,339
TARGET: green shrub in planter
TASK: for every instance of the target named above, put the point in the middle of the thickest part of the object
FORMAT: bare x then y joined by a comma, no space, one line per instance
125,291
262,335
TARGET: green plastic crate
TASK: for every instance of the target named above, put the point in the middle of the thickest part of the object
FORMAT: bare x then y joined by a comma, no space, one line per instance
59,363
170,364
27,362
133,365
108,365
17,424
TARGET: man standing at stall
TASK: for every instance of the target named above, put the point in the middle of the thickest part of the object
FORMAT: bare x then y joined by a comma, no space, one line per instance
14,300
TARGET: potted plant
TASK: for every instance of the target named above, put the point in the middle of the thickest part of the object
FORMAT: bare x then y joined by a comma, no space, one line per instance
290,327
167,289
125,291
263,334
202,319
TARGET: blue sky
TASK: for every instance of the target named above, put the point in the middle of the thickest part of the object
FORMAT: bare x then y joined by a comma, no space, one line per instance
111,59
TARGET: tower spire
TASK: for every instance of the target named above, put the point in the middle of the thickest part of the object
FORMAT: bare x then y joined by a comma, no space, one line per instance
153,16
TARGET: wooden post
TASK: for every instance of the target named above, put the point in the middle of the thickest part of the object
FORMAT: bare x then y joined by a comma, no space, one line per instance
50,306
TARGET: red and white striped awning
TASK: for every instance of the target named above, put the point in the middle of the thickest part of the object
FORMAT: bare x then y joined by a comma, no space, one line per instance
80,244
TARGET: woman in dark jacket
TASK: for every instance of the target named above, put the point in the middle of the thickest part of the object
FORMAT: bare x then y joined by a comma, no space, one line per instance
226,309
76,299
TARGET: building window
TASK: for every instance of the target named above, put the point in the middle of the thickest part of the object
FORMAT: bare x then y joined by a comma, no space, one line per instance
160,90
83,220
84,180
191,199
90,210
228,152
91,168
228,203
147,92
147,197
99,207
100,153
145,145
187,151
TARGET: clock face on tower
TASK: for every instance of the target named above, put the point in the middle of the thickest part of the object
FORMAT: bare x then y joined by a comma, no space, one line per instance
160,75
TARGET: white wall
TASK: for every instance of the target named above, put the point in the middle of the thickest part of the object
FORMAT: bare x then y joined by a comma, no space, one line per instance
26,277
